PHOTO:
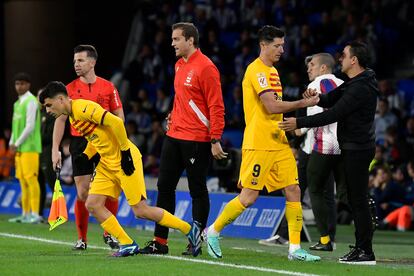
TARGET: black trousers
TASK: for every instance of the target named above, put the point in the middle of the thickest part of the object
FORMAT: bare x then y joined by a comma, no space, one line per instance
194,157
322,190
356,164
46,174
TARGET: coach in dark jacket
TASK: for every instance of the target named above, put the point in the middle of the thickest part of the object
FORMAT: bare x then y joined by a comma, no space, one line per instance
353,106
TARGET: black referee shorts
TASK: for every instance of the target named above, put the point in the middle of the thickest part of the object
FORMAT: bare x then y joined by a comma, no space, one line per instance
79,165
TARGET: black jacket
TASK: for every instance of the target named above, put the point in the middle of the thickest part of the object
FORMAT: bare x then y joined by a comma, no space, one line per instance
353,106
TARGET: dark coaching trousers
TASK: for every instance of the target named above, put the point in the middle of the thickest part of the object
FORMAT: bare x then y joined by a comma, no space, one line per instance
356,164
194,157
322,190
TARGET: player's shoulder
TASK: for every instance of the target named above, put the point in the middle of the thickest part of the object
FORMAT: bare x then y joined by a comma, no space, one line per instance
72,84
104,82
82,106
204,62
258,68
253,67
79,103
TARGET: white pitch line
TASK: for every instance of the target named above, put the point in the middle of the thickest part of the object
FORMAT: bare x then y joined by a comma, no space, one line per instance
246,267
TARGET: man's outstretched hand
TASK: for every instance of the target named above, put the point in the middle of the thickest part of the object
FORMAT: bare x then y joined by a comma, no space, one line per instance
288,124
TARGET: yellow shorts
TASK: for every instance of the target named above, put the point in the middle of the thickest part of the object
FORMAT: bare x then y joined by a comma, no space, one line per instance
112,181
27,165
274,169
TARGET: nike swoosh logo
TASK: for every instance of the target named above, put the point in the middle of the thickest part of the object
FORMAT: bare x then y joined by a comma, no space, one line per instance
130,248
212,249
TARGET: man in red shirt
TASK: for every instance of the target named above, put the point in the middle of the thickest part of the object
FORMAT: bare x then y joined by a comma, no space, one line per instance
89,87
194,129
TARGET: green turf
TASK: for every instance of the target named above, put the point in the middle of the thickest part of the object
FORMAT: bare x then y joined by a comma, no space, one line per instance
394,251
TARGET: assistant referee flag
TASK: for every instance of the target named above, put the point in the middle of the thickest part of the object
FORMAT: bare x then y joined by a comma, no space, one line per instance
58,211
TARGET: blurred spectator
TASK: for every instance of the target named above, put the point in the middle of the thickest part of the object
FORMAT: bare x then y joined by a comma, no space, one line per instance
293,88
163,102
242,60
186,11
214,49
225,17
154,145
409,132
143,125
379,159
132,133
146,103
388,192
167,13
327,31
402,217
146,68
395,100
396,149
6,155
384,118
234,111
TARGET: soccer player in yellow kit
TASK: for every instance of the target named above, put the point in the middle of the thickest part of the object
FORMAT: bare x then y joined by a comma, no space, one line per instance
267,160
119,169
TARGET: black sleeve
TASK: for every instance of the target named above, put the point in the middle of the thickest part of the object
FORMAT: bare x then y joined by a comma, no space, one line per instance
350,101
329,99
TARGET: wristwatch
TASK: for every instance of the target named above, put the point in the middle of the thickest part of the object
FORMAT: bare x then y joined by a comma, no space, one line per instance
214,140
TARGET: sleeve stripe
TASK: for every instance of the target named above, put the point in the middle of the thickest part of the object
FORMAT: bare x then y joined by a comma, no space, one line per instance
103,116
265,91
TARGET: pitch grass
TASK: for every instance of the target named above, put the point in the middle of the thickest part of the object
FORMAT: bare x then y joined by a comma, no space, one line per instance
20,256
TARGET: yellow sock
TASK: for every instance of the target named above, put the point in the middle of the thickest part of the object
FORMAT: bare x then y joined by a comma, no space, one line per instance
294,219
112,226
34,194
25,196
325,239
231,211
171,221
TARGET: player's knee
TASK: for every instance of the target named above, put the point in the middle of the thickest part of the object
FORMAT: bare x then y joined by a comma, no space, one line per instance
82,196
293,189
91,206
141,210
82,193
247,201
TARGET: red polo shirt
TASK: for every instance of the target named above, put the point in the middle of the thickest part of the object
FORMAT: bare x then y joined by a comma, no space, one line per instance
101,91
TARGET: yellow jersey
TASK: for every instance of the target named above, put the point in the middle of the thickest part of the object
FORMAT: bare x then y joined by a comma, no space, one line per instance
262,131
87,118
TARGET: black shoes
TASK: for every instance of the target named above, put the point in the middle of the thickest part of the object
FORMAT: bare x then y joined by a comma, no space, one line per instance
154,247
358,256
111,241
322,247
189,251
80,245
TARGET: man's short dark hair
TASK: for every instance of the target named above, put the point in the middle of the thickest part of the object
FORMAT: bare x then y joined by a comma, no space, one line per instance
189,30
23,76
89,49
51,90
360,50
268,33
